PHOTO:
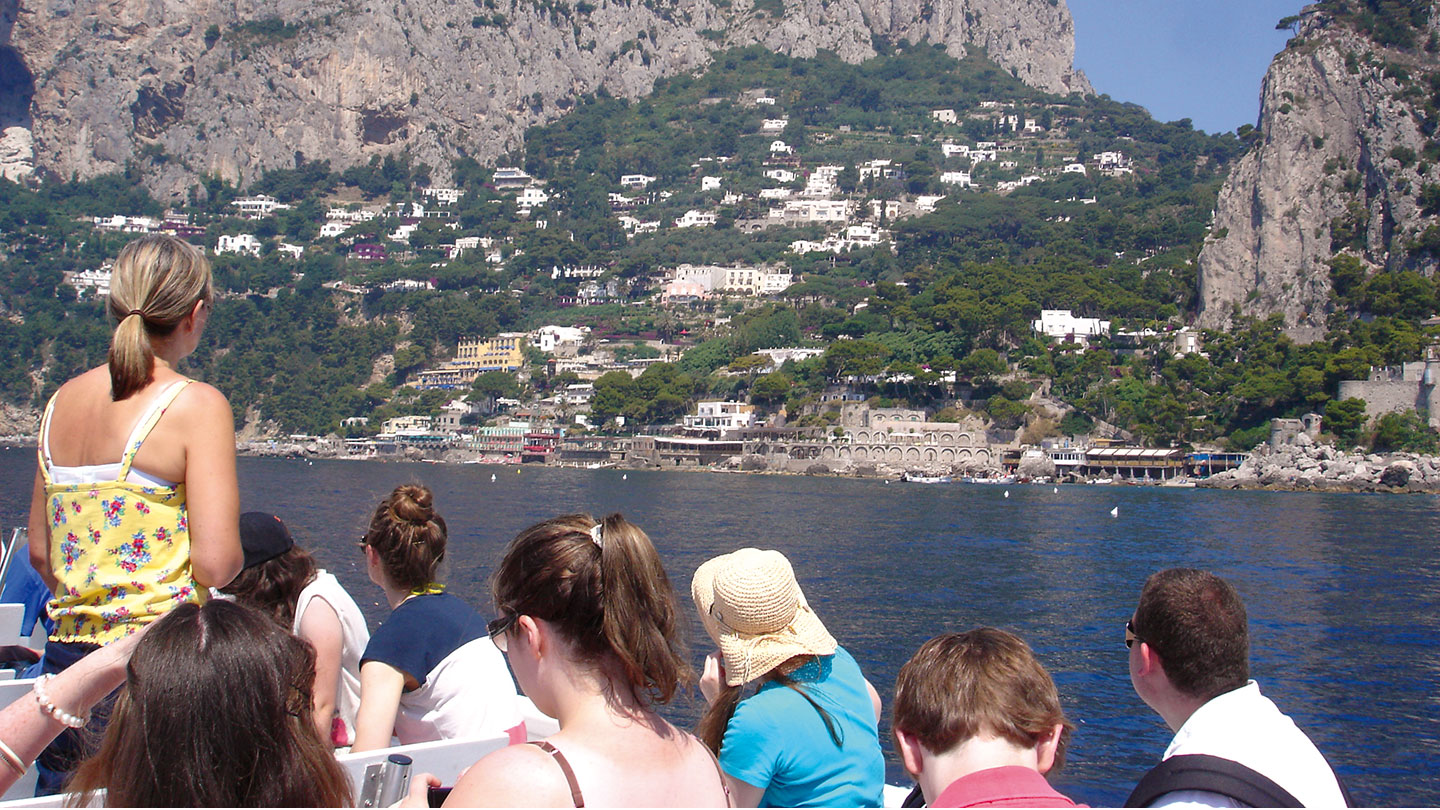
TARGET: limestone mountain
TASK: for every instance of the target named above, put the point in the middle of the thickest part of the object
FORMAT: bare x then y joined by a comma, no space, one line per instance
233,87
1345,151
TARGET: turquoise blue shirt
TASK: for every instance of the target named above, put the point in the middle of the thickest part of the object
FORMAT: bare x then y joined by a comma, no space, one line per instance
776,740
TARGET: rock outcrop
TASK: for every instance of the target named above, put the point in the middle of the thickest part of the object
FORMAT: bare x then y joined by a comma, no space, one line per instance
1322,468
195,88
1338,166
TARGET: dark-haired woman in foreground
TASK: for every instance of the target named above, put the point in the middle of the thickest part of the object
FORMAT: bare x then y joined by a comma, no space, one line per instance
430,671
215,713
587,619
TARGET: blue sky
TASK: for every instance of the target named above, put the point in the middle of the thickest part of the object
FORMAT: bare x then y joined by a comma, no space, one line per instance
1182,58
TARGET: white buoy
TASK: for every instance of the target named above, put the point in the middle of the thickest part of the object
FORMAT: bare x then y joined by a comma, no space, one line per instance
1056,489
625,477
1007,493
1115,512
492,476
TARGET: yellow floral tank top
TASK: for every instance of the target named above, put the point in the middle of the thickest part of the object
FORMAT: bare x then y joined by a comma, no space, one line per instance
120,550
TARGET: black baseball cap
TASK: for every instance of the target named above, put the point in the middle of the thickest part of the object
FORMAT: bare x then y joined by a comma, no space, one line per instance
263,537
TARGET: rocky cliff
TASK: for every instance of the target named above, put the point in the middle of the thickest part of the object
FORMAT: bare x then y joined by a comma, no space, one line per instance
231,87
1339,164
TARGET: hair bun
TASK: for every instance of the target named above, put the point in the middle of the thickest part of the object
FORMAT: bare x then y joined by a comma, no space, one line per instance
412,504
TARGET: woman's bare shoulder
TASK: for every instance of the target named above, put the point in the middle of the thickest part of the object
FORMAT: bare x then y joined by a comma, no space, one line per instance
202,403
513,776
85,384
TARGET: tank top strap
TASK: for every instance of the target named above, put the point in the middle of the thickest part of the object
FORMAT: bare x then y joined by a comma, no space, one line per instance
575,796
44,444
147,423
725,786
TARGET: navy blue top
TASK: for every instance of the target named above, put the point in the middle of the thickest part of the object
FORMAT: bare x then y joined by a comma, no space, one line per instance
422,631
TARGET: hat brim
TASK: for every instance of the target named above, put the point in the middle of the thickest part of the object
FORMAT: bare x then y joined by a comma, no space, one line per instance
748,657
702,593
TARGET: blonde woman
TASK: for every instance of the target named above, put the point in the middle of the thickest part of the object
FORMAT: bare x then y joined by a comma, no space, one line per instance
135,508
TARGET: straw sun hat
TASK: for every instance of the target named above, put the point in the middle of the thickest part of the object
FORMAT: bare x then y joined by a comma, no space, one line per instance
753,608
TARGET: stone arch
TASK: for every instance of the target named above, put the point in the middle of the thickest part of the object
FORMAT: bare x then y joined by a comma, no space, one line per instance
964,455
965,438
895,454
947,437
930,454
913,454
828,452
947,455
844,452
862,454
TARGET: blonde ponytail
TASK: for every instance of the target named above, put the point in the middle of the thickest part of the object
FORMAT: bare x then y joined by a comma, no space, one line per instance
155,285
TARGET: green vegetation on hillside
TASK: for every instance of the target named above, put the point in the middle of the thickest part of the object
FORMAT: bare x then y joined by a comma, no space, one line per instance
956,296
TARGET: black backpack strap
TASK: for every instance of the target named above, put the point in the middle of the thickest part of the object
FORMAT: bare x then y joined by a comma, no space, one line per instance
1213,774
914,798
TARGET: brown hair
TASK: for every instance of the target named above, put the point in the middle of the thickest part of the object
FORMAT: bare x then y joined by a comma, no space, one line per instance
274,586
609,597
1196,622
216,713
409,535
985,681
712,725
155,284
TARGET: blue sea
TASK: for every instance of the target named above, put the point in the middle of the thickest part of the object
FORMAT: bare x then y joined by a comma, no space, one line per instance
1342,590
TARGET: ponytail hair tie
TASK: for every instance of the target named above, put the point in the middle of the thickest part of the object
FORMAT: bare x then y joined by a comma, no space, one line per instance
135,312
595,534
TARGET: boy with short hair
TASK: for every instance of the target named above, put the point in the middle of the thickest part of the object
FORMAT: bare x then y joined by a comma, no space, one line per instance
978,723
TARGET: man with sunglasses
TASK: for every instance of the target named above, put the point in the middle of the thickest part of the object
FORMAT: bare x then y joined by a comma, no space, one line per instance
1189,648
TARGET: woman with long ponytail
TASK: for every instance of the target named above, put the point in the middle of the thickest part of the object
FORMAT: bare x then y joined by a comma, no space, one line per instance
588,620
135,507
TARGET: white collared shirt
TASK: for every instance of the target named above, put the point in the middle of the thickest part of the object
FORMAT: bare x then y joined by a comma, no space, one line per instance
1245,726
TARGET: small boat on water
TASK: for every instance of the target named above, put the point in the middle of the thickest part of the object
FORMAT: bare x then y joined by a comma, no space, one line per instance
999,479
916,478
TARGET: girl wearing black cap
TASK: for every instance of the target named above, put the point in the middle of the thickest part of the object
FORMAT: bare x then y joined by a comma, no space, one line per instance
281,579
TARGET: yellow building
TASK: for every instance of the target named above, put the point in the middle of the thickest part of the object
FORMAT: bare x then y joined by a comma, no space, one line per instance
504,352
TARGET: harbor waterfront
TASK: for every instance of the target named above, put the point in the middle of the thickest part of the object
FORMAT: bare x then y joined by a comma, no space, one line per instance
1341,588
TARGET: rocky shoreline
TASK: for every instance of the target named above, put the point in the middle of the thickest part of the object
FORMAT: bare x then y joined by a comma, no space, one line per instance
1322,468
1291,468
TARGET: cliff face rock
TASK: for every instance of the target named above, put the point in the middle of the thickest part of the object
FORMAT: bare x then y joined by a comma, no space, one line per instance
193,87
1324,177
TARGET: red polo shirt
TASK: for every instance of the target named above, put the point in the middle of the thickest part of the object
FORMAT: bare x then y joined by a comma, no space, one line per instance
1010,786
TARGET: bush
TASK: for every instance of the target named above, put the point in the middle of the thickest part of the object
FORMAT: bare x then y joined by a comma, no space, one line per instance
1345,418
1405,431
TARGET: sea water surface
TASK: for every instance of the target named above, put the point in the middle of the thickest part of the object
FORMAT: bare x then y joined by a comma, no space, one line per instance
1342,590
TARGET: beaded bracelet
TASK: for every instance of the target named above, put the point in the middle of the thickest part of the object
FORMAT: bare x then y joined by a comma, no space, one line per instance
48,707
14,761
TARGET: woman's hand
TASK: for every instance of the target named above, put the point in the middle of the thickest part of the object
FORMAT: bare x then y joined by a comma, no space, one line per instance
712,679
419,795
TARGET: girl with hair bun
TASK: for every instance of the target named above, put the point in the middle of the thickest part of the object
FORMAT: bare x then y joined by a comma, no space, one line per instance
430,671
135,508
587,618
